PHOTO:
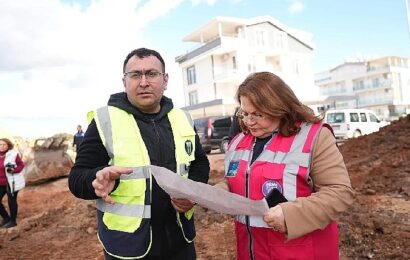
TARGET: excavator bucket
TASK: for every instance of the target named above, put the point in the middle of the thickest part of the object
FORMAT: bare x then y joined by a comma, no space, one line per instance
46,159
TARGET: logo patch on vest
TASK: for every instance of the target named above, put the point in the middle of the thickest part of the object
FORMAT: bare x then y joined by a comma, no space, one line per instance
188,147
270,185
232,169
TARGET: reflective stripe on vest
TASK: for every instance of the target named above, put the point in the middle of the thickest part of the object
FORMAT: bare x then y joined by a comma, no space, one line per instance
254,221
133,196
184,154
293,159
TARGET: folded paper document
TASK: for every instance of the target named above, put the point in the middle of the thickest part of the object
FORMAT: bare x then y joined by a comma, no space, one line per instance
206,195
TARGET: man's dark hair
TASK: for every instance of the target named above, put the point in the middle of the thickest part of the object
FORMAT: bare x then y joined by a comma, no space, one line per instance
142,53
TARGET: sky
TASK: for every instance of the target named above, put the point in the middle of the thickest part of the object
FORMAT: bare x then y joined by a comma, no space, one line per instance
60,59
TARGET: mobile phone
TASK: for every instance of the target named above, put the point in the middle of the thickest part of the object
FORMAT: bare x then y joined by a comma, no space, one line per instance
275,197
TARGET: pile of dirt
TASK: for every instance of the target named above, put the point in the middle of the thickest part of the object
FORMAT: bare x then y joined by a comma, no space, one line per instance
378,224
55,225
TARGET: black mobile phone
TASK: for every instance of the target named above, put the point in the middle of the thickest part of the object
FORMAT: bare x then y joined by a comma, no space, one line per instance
275,197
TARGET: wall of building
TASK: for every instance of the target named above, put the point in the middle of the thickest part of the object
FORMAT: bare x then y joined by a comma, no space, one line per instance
262,47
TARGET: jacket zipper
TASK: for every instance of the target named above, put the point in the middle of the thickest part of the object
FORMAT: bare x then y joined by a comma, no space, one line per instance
248,228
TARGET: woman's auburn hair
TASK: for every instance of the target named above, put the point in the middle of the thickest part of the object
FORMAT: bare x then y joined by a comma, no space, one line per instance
271,96
9,143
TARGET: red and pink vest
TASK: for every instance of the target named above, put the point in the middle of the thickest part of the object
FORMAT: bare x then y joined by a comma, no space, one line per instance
284,164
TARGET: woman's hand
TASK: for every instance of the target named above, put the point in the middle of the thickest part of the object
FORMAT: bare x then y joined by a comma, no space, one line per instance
275,219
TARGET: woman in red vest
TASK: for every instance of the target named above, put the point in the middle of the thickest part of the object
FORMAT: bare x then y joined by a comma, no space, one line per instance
287,154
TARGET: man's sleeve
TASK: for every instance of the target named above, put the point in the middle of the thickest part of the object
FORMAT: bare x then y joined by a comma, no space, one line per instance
91,157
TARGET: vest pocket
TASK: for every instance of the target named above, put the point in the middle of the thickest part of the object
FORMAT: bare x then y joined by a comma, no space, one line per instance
129,193
121,223
299,248
130,188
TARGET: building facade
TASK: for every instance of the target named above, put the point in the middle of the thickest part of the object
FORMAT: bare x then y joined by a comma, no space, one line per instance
229,49
381,84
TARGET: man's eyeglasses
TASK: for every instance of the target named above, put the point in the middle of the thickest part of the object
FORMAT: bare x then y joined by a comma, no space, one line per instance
150,75
249,116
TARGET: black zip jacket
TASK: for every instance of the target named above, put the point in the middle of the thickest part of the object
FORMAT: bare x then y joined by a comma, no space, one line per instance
158,138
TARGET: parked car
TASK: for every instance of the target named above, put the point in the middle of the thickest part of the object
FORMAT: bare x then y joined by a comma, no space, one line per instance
351,123
213,132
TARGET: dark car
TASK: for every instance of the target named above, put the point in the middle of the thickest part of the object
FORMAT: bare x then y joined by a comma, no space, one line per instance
213,132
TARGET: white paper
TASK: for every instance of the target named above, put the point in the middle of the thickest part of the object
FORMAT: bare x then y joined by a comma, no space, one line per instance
207,195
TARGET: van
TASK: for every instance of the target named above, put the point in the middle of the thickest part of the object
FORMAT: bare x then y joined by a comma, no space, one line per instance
351,123
213,132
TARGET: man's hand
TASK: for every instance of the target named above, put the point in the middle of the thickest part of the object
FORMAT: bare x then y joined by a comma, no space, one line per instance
275,219
182,205
105,181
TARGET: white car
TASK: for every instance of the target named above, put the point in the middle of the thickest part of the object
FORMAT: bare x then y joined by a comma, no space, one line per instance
350,123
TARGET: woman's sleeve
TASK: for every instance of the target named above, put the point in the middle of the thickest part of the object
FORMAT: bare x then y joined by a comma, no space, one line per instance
332,193
19,164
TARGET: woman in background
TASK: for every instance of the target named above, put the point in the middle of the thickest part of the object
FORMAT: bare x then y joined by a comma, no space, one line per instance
11,181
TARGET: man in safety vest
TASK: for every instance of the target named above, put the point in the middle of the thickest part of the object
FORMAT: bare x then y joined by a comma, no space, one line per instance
138,128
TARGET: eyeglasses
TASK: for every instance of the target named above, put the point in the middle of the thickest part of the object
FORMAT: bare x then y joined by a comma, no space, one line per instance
249,116
150,75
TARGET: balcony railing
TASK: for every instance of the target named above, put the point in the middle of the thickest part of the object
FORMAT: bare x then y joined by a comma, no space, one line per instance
375,101
204,48
382,84
226,75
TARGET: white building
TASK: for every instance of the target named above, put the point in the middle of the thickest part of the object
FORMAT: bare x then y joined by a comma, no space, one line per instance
232,48
382,85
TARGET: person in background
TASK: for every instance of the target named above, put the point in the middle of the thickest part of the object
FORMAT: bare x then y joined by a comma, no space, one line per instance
78,137
11,181
235,126
140,127
287,151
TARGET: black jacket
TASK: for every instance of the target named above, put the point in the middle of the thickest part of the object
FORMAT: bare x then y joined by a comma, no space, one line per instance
78,138
158,138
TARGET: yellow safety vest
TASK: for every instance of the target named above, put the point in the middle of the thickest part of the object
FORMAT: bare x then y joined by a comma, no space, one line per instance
124,229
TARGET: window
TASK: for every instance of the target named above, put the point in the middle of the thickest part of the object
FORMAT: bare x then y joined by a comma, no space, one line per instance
363,117
296,67
191,75
354,117
335,118
375,83
279,40
193,97
358,85
260,38
251,64
373,118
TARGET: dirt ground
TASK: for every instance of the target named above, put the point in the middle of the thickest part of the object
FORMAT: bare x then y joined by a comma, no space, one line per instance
52,224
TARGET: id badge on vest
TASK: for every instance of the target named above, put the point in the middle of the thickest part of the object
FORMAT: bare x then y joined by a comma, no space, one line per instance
232,169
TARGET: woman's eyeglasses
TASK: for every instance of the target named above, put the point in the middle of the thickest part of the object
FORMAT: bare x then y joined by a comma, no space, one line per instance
249,116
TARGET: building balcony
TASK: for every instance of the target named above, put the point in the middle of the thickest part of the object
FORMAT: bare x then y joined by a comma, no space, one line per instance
217,46
385,84
377,101
226,76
